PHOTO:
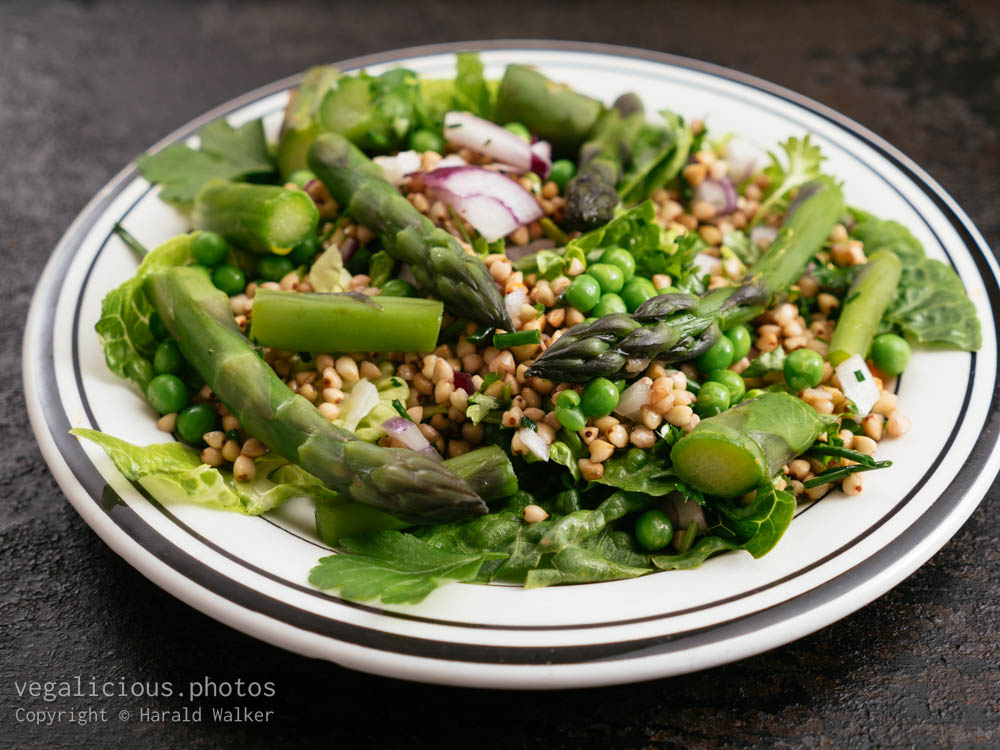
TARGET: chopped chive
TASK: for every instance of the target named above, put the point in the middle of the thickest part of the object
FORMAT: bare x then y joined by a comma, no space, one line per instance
430,411
489,379
459,224
529,423
859,375
400,409
832,450
552,231
452,330
518,338
454,125
480,335
840,472
688,539
134,245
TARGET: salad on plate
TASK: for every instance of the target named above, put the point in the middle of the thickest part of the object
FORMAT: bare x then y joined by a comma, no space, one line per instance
501,331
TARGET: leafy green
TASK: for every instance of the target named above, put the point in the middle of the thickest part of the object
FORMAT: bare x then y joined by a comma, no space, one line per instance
581,565
756,528
656,478
759,525
563,455
123,327
931,306
659,153
471,92
550,263
394,567
226,152
739,243
328,273
804,159
655,249
766,363
174,472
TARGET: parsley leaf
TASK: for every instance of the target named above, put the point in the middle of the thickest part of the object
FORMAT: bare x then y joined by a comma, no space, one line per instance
804,159
226,152
394,567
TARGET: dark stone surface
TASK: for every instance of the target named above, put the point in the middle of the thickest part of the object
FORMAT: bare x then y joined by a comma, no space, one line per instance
86,86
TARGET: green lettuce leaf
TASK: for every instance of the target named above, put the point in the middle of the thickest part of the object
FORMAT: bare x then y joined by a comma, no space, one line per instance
174,472
226,152
123,328
471,92
656,478
394,567
759,525
804,159
766,363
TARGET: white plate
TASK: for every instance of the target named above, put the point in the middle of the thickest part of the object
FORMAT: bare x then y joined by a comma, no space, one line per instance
250,573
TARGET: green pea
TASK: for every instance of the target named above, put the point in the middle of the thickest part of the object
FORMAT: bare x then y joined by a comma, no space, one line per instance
398,288
635,459
519,130
890,353
274,267
302,177
654,529
620,384
636,291
426,140
600,397
195,421
608,276
209,248
167,393
157,328
740,337
229,279
584,292
608,304
718,357
167,357
619,256
713,398
562,171
803,369
571,418
733,382
568,399
305,251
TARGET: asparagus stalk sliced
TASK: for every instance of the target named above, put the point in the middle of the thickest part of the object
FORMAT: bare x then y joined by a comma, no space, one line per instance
439,264
866,302
404,483
591,196
677,327
487,470
259,218
732,453
551,111
348,322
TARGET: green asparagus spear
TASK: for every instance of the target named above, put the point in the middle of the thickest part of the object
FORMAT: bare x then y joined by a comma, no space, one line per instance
401,482
591,196
551,111
869,296
348,322
439,264
260,218
487,470
731,453
301,124
677,327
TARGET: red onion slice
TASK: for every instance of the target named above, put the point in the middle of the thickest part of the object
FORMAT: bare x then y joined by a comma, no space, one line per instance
858,384
720,193
495,205
407,433
398,167
541,158
347,248
485,137
514,300
534,443
745,158
634,398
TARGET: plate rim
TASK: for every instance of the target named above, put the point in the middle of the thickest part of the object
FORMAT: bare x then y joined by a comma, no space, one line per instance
240,618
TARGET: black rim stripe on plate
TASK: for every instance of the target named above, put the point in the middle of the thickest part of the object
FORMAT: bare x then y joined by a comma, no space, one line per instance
981,453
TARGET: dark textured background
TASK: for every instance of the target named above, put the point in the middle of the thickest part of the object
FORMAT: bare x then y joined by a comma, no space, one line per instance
86,86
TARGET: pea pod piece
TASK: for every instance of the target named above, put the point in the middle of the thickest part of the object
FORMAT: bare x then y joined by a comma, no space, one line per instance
866,301
732,453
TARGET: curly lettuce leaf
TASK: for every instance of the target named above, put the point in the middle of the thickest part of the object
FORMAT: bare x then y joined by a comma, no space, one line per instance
804,159
226,152
123,328
174,472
